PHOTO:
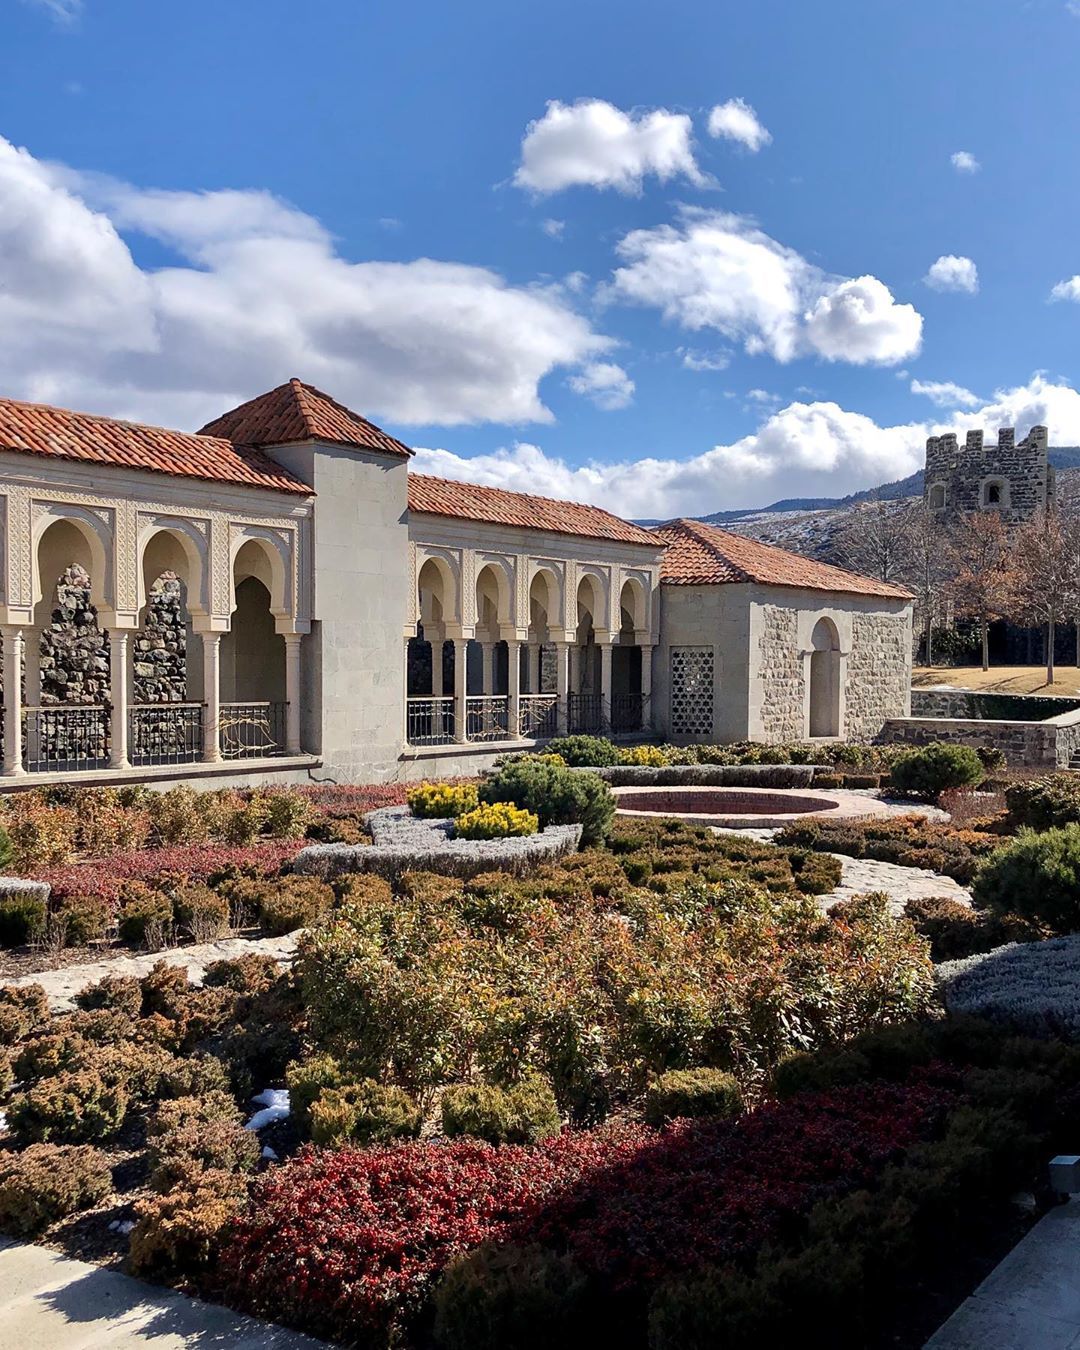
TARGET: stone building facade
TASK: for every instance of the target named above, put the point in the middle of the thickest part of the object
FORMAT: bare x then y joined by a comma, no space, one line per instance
1012,477
278,596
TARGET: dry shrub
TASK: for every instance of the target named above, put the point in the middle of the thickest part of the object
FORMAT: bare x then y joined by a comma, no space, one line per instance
180,1232
47,1182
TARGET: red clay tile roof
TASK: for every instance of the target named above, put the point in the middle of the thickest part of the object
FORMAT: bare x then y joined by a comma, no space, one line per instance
496,506
298,412
37,429
701,555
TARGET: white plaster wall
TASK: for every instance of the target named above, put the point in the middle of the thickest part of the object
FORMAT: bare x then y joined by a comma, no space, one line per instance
709,616
354,682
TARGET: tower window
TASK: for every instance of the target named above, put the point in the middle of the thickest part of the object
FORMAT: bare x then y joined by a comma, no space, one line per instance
995,493
937,497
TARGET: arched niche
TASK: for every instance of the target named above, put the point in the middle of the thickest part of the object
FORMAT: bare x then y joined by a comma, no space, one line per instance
825,680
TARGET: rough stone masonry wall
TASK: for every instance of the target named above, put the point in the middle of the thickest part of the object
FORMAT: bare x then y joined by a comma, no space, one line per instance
780,668
878,673
1022,465
75,651
1035,745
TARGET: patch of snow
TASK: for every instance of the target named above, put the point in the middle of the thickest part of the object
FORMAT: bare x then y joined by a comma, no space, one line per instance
268,1152
3,1122
122,1226
275,1107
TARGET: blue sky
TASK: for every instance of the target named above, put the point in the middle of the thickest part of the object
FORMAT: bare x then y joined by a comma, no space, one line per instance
521,238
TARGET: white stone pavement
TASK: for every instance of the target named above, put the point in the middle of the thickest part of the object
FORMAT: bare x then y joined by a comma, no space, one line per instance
50,1302
860,876
62,985
1031,1301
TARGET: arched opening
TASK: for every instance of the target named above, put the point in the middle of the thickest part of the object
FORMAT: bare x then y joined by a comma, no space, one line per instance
539,701
488,676
429,676
252,671
627,702
586,710
67,677
825,680
937,496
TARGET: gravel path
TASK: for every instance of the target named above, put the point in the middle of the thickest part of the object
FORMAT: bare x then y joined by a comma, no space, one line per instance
860,876
62,985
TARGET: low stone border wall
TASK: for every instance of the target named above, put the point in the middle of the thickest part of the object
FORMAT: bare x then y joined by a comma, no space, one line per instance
977,704
1049,744
744,808
403,843
712,775
20,886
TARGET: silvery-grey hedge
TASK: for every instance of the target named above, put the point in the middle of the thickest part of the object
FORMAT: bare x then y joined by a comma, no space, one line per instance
1034,986
39,890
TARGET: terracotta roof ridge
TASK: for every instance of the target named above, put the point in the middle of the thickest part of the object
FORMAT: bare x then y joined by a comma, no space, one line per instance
531,496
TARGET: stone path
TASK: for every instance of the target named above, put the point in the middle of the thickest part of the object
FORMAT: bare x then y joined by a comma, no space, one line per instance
50,1302
1031,1301
62,985
859,876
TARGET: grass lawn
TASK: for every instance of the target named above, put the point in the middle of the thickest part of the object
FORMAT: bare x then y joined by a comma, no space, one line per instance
1000,679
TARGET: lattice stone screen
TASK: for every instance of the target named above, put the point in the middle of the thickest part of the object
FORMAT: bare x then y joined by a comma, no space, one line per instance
692,691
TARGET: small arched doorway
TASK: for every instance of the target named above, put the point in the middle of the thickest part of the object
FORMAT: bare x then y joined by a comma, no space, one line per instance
825,680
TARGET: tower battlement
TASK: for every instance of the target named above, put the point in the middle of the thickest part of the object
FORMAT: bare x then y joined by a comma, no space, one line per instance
1012,477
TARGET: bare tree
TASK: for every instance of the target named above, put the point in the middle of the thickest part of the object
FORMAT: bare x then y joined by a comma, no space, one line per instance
926,570
1046,572
983,580
875,539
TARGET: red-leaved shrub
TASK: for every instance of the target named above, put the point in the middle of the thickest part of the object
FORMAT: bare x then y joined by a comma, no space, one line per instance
349,1243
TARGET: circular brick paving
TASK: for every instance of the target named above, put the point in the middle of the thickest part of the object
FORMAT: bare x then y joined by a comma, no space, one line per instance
746,808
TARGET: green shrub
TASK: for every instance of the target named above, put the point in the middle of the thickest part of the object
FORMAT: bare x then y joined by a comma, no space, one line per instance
1042,803
22,919
179,1232
495,820
124,993
252,974
146,919
928,771
201,912
522,1114
306,1080
556,796
585,752
364,1113
291,902
6,851
1036,876
179,816
506,1297
692,1092
71,1107
82,918
955,930
441,801
22,1008
47,1182
288,815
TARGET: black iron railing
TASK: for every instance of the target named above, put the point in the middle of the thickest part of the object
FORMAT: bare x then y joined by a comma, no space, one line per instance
586,713
65,739
251,730
486,717
538,716
627,713
165,733
429,721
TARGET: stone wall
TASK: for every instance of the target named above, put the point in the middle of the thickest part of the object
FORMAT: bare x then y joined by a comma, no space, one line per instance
1020,467
878,673
74,661
1037,745
974,704
780,667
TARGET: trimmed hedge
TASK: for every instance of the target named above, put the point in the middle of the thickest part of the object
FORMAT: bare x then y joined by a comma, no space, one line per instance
928,771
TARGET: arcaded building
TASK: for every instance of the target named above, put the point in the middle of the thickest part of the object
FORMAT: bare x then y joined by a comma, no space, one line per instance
277,596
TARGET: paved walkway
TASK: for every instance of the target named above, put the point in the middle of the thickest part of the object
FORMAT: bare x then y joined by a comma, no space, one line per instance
49,1302
62,985
860,876
1031,1301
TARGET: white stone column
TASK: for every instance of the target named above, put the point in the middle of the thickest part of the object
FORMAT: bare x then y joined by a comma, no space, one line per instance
605,682
461,685
437,669
211,647
118,698
487,686
646,688
533,667
292,693
562,672
513,689
573,678
13,655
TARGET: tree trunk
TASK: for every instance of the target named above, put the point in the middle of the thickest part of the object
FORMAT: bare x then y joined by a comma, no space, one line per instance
1078,641
985,644
929,638
1050,651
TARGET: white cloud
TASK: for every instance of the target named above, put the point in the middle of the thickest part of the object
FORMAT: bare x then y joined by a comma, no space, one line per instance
1073,7
718,270
554,229
1067,290
607,384
63,11
257,292
963,161
945,394
805,449
594,144
951,273
735,120
699,360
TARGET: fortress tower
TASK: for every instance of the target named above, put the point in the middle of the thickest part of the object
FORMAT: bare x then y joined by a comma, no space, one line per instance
1012,477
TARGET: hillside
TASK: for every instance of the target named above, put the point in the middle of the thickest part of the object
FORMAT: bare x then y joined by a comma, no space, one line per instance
810,525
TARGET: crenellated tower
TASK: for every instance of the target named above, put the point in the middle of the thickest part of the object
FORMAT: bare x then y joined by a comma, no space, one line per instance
1012,477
